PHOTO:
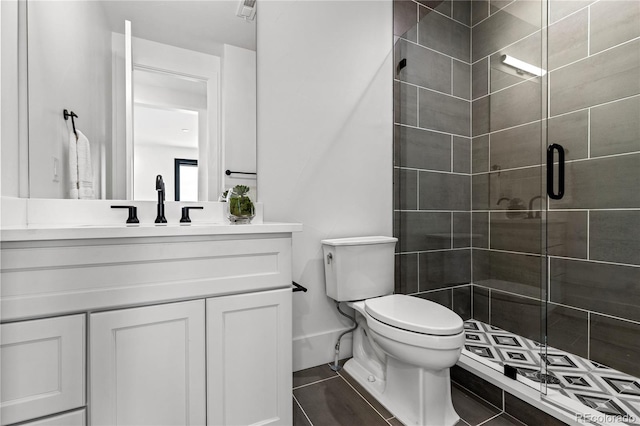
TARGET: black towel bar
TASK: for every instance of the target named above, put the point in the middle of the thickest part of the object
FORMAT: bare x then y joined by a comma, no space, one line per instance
228,172
298,287
66,114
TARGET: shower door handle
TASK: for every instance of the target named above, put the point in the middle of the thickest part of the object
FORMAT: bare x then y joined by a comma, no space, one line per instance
550,172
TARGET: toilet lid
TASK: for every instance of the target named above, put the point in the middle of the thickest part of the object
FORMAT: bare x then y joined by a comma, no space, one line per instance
414,314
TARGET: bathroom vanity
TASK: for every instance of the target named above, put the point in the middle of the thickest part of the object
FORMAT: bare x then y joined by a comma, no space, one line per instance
107,325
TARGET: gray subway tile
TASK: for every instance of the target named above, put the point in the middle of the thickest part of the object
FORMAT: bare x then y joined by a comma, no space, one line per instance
441,297
480,154
601,78
572,132
613,22
461,79
462,301
514,22
480,302
559,9
422,149
519,315
444,191
461,229
615,127
420,231
444,35
461,155
497,5
405,104
405,189
444,113
516,273
442,6
524,184
480,192
567,233
406,273
568,40
462,11
480,229
480,78
614,236
444,268
520,235
516,105
517,147
601,183
568,329
481,109
615,343
600,287
479,11
425,67
405,18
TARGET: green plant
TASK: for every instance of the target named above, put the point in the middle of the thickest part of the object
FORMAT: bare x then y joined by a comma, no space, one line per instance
239,203
240,189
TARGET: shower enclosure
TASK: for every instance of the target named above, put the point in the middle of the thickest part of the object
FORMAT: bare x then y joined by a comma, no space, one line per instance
516,175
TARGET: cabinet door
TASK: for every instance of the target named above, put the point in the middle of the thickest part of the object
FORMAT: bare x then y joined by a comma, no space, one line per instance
74,418
43,367
148,365
249,359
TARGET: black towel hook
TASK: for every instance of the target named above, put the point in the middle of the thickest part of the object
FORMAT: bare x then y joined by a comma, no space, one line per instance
73,115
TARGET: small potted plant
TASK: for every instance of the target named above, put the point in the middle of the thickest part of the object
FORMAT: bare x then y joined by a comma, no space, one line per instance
240,208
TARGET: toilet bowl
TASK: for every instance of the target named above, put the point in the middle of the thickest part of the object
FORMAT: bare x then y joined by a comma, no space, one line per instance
403,346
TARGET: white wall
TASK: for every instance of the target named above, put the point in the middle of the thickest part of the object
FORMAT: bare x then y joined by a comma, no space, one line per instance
325,141
152,160
69,67
239,114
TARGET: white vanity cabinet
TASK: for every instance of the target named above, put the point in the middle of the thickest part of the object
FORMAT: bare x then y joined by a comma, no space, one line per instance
177,329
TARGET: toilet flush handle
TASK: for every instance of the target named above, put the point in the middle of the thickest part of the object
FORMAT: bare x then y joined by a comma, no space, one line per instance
329,258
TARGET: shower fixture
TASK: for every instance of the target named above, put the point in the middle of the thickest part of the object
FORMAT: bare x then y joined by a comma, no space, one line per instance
522,66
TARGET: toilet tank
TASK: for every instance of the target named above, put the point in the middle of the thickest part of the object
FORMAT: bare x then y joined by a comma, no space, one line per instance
359,268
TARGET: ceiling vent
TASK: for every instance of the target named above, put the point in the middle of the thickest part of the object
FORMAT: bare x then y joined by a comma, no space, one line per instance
247,10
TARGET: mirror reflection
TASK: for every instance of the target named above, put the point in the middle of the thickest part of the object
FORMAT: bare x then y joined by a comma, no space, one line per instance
158,87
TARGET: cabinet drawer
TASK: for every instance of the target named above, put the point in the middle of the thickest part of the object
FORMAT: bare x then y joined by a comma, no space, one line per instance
75,418
43,367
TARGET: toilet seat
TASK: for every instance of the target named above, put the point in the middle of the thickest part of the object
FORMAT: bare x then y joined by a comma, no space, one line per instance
414,314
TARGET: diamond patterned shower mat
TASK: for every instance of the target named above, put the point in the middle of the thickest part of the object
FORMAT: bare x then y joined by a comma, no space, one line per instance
601,388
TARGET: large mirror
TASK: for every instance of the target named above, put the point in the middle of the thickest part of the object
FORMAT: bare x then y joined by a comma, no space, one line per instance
151,87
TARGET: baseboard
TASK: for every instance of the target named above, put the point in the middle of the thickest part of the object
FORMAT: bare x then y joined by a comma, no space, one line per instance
316,349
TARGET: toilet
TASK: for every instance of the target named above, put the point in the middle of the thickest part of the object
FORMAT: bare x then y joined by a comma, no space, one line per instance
403,346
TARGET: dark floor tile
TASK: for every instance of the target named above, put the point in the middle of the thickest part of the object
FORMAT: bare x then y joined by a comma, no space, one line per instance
527,413
615,343
469,407
477,385
299,419
503,420
366,395
313,374
334,402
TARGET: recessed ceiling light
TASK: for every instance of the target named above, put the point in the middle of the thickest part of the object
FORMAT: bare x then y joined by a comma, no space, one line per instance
185,130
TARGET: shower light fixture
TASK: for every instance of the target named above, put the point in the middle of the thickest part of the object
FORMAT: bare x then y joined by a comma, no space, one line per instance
522,66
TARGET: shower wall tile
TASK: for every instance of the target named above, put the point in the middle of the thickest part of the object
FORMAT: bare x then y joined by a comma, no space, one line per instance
446,268
480,229
615,343
516,314
406,271
516,105
613,22
444,191
615,128
524,184
479,11
615,235
419,231
405,18
517,147
405,104
421,149
599,287
461,229
442,6
568,40
610,75
567,233
480,110
480,78
602,183
441,297
480,302
462,301
496,5
444,34
480,192
528,413
425,67
515,273
572,132
559,9
462,11
568,329
406,194
514,22
444,113
480,154
461,79
521,235
461,155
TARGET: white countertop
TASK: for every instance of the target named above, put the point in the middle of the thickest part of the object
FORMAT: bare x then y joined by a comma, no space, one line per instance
72,232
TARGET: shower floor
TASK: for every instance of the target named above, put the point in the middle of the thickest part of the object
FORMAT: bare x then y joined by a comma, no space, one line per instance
601,388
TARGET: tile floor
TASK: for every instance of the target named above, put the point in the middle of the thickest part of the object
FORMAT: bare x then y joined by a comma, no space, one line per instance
322,397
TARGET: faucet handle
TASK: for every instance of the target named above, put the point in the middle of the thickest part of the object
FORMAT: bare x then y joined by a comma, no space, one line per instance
133,213
185,213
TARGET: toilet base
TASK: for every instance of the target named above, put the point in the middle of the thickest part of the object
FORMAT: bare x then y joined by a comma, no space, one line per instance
415,396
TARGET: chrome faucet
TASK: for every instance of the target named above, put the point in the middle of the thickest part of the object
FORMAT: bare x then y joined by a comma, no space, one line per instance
160,188
530,214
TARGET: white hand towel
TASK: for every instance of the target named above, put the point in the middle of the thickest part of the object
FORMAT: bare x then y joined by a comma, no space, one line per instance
80,168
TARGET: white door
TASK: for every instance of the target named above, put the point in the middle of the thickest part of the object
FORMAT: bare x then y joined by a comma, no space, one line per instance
249,359
148,365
